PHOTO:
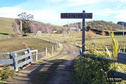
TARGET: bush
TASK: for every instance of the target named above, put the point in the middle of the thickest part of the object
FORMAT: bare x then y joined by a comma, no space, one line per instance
90,71
6,73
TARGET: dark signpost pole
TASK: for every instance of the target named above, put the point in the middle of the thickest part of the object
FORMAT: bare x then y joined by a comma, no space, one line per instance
83,32
82,16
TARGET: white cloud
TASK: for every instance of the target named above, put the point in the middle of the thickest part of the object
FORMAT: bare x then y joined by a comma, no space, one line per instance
55,0
11,12
108,12
122,0
80,2
121,15
83,1
52,15
47,16
117,14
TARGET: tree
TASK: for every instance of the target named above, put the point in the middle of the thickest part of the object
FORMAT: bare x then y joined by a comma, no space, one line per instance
25,20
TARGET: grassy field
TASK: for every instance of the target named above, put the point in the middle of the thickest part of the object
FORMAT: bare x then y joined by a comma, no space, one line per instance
72,38
102,41
13,44
75,38
6,26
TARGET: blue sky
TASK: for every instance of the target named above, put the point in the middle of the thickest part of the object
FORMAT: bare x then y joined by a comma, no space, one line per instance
48,11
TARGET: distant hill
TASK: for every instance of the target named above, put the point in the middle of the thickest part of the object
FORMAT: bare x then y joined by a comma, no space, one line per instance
6,26
123,24
98,25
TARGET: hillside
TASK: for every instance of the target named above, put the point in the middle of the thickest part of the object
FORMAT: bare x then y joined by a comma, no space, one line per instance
123,24
7,23
103,25
98,25
6,26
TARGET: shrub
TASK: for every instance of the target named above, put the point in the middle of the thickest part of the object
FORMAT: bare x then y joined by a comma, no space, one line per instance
90,71
6,74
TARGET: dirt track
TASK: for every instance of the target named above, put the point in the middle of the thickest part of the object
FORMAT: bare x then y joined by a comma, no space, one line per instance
57,70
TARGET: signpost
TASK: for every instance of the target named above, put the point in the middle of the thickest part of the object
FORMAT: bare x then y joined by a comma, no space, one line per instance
82,16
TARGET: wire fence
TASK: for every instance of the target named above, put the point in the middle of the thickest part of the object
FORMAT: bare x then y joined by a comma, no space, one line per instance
36,55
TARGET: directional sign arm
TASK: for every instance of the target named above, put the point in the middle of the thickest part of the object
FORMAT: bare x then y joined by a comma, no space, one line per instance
76,15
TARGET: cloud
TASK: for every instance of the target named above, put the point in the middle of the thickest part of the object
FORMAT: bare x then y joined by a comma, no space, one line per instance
116,14
83,1
108,12
11,12
122,0
47,16
54,1
51,14
121,15
80,2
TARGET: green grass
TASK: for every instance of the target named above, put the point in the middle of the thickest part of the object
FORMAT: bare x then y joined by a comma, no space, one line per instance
102,42
14,44
72,38
6,25
75,38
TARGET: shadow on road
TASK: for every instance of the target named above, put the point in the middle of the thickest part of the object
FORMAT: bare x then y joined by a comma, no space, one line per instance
43,73
4,33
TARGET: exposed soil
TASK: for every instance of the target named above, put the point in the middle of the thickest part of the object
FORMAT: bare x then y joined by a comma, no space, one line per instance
56,70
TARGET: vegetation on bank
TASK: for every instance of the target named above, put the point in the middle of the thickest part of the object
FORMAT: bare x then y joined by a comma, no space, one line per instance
93,71
90,71
6,74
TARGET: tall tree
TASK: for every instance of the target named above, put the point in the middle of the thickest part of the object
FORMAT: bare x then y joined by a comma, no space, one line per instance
25,20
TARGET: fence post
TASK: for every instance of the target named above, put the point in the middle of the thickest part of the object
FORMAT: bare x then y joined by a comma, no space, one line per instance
120,49
55,47
124,48
36,55
46,51
28,49
58,45
52,50
15,62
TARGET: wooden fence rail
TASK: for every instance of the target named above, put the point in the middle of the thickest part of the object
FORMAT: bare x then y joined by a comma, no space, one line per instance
20,58
120,59
17,61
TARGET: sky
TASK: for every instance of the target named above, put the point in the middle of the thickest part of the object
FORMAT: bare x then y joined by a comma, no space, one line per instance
48,11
